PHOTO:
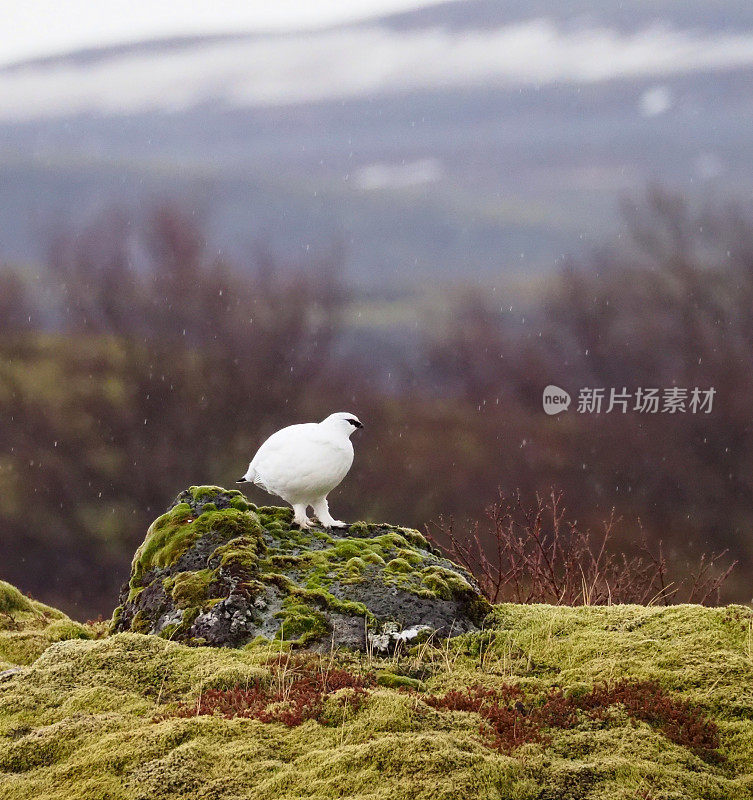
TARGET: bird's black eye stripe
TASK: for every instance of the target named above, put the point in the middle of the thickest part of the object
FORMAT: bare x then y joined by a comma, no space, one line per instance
355,423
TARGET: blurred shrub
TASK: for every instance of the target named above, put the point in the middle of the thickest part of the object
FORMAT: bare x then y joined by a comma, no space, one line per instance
670,307
140,363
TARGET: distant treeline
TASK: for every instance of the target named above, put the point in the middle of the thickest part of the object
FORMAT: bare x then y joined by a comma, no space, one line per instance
138,363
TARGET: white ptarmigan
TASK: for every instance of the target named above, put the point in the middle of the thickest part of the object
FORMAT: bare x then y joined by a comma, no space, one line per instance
302,464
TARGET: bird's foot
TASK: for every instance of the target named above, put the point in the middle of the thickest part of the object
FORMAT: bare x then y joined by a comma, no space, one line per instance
332,523
321,512
300,517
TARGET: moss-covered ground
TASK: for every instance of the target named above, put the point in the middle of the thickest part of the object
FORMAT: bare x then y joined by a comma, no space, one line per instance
28,628
93,716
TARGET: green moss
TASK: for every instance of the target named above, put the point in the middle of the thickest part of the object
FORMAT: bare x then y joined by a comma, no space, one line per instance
437,587
400,536
28,630
445,583
327,600
140,623
116,615
190,588
345,549
133,593
241,504
415,538
393,681
241,674
275,515
11,600
478,609
319,596
63,629
354,566
359,529
392,541
300,623
411,556
170,536
398,565
169,631
243,552
186,621
203,494
167,538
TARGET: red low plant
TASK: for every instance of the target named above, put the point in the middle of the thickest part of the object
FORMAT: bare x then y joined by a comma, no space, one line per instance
679,720
507,723
297,692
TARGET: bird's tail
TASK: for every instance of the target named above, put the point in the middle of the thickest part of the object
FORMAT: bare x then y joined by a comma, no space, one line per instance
249,477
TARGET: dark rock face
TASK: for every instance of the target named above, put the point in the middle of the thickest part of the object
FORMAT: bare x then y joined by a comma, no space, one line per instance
217,570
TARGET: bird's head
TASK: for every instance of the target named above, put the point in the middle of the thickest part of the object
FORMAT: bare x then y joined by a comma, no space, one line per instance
343,422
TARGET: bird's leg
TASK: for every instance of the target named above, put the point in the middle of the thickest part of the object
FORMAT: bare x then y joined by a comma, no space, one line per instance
299,516
321,510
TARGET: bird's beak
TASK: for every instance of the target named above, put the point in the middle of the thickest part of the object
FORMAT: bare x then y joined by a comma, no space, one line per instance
359,424
241,480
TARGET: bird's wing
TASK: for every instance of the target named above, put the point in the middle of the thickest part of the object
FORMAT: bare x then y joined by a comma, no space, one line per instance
284,439
303,456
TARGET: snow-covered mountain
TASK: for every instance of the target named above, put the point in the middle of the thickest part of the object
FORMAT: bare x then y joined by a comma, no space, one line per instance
464,137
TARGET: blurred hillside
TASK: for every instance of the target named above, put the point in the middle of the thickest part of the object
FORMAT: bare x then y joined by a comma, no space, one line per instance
464,139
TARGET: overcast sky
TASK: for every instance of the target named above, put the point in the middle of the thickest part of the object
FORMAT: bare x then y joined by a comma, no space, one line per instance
33,28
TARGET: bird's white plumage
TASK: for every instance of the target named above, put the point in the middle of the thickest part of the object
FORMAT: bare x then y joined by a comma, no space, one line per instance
302,464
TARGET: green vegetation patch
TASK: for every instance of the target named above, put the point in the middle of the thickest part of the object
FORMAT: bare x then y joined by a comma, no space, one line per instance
300,623
189,588
202,495
321,559
11,600
173,533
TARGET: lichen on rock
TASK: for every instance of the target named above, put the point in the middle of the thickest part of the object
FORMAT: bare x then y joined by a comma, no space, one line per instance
217,570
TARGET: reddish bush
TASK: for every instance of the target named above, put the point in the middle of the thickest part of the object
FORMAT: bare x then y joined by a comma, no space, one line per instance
505,726
534,554
300,686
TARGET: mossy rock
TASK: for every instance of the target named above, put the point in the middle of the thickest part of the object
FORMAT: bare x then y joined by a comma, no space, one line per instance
217,570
